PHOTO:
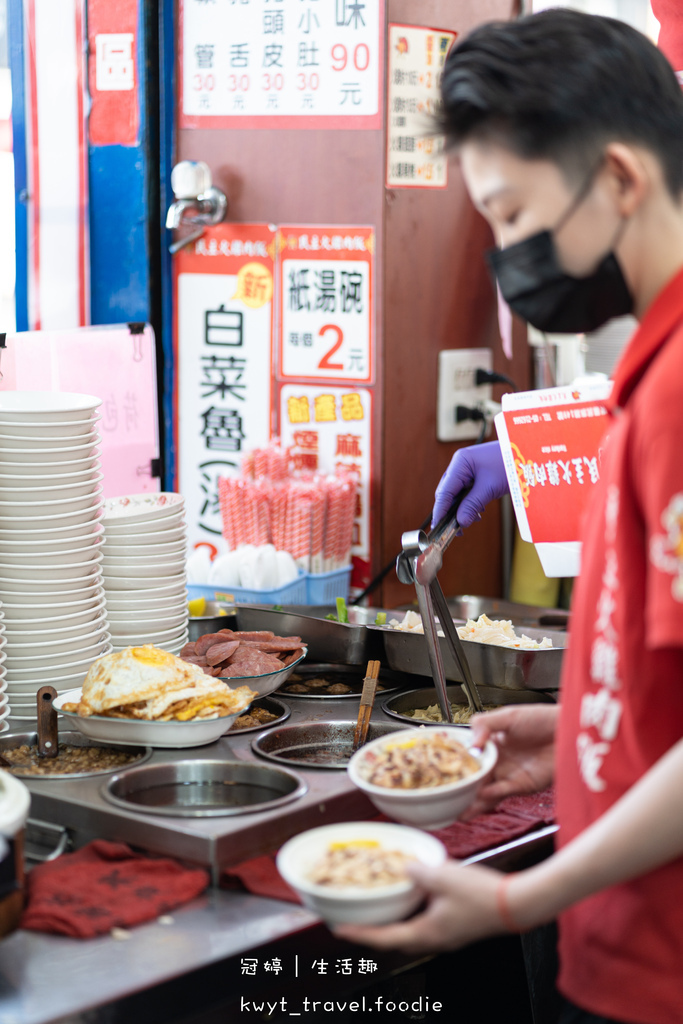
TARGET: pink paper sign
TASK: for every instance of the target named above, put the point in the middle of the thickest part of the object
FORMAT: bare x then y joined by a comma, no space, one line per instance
112,363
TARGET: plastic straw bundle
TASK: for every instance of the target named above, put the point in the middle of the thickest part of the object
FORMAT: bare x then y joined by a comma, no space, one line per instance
309,515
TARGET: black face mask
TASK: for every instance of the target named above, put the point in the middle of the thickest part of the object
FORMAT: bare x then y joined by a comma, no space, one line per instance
535,286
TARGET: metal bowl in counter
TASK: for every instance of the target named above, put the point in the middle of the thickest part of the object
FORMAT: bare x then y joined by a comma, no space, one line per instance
11,741
269,704
203,789
316,744
218,615
318,682
412,700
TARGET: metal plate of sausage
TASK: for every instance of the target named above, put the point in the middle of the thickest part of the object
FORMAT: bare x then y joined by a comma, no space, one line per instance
339,643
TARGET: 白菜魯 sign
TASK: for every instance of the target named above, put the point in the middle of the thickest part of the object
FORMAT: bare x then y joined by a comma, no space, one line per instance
223,373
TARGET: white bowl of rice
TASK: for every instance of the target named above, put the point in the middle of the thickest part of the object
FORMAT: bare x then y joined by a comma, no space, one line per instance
354,872
422,777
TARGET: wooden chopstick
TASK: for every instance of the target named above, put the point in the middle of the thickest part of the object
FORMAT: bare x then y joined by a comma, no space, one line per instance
367,700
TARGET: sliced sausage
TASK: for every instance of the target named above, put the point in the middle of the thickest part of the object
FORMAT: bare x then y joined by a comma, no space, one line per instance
279,644
221,652
202,645
263,634
294,656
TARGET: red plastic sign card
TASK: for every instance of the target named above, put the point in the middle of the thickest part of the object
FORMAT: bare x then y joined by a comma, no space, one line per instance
552,443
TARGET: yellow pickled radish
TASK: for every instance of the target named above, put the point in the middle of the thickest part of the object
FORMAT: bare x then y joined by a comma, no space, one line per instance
196,607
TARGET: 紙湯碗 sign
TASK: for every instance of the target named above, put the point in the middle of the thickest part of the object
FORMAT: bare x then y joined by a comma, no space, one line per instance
326,303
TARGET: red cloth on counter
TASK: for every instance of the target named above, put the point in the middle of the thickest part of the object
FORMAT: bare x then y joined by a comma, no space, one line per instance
513,818
103,886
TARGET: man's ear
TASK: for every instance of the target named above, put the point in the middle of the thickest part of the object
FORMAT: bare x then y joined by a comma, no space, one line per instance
630,176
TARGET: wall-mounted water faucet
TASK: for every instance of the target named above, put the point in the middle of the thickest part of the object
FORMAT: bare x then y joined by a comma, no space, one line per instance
197,201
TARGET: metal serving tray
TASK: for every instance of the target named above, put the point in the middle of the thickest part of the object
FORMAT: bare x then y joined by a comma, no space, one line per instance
471,606
506,668
337,642
400,703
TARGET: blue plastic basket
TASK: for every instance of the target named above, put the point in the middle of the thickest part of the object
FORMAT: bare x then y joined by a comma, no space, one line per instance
325,587
290,593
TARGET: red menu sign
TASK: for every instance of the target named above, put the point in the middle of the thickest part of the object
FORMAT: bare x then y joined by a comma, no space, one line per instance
552,445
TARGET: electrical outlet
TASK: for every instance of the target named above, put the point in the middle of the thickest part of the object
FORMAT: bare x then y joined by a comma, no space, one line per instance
456,387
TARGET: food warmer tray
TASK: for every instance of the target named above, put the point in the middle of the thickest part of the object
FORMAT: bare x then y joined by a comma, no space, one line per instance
471,606
397,705
506,668
389,682
339,643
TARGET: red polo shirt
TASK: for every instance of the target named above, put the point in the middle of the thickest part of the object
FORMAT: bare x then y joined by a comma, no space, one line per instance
621,951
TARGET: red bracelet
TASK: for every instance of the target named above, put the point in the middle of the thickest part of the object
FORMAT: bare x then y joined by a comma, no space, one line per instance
502,905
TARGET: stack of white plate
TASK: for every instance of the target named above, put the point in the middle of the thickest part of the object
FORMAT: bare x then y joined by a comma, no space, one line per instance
144,570
50,538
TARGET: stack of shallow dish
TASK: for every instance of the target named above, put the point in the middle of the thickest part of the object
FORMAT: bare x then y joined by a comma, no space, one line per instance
144,568
50,538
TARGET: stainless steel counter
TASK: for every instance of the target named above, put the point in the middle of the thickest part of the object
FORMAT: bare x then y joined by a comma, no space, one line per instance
46,979
218,842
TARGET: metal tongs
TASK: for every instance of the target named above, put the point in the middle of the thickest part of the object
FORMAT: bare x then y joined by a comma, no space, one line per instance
419,563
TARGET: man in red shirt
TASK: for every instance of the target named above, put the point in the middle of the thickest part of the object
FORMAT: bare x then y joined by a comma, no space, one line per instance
569,131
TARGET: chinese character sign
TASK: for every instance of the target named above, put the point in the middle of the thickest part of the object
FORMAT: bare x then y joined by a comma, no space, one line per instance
330,428
415,156
224,296
275,59
552,444
326,303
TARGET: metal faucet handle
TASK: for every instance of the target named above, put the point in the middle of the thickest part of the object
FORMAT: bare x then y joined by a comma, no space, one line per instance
197,201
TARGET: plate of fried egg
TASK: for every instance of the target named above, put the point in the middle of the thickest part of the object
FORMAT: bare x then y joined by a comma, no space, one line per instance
146,696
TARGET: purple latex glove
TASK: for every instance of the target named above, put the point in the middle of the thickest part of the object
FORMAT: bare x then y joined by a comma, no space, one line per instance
482,466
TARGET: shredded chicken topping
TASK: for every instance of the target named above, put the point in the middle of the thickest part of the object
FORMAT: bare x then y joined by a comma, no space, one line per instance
431,760
363,862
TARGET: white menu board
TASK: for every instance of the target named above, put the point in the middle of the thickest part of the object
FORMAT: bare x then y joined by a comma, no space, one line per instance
281,59
415,156
224,318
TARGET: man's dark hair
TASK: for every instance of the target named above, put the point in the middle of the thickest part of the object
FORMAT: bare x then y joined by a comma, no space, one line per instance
560,85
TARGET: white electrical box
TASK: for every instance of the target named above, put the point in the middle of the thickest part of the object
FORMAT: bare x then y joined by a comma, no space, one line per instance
456,387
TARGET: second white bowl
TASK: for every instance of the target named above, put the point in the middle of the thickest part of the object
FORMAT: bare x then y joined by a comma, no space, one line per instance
430,807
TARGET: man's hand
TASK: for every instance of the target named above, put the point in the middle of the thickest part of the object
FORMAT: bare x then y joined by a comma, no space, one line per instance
525,737
462,908
480,465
